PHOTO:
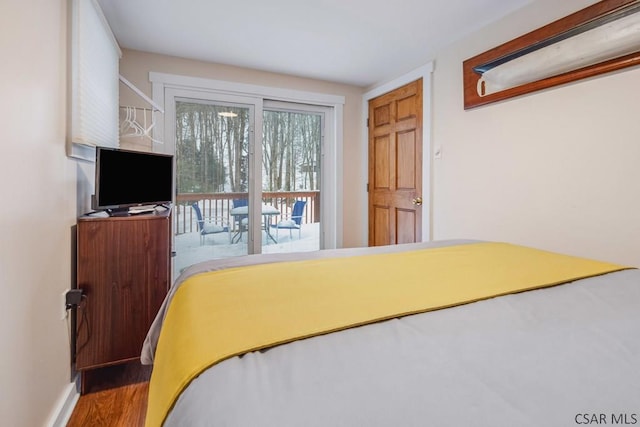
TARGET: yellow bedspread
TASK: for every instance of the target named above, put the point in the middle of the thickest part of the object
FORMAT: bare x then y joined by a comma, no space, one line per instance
217,315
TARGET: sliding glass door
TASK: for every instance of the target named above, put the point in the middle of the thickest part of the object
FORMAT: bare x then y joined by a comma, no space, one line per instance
239,191
212,180
291,175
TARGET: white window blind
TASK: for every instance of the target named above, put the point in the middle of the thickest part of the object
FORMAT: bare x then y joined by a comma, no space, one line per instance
95,59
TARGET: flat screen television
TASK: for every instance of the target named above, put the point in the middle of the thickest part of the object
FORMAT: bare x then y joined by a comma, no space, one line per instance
126,178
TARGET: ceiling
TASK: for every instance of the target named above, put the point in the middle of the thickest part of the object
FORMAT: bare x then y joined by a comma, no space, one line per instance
357,42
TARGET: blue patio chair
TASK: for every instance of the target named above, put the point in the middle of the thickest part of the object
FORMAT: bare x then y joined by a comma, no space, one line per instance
210,225
292,222
240,222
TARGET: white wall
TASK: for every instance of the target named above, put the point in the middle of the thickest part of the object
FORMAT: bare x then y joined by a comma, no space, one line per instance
557,169
38,193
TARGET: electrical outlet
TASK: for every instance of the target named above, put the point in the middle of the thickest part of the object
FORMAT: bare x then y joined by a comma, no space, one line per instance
63,305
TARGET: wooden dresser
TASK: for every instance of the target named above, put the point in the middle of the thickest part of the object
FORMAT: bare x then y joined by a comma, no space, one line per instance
123,269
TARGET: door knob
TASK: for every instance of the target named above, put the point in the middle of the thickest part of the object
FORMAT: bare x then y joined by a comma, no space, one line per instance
417,201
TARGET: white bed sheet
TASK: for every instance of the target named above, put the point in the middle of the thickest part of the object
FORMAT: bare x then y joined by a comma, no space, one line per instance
540,358
551,357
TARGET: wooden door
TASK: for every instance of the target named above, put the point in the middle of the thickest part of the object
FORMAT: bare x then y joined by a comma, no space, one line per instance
395,166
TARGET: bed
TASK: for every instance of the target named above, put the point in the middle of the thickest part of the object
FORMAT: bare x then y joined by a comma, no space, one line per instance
558,348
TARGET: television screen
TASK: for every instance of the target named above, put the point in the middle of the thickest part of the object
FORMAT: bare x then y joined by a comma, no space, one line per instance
132,178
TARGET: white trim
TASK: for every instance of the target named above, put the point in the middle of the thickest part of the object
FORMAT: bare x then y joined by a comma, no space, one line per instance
421,72
338,157
83,152
64,407
274,93
425,73
255,177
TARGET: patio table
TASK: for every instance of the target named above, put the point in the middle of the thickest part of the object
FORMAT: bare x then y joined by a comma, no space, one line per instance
267,212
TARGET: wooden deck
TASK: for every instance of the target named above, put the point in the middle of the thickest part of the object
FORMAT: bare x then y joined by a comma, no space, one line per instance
219,205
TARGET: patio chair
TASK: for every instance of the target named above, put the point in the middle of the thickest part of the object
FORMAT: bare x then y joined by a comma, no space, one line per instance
240,222
292,222
210,225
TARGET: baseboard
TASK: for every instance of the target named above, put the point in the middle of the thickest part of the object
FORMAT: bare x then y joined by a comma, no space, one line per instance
64,406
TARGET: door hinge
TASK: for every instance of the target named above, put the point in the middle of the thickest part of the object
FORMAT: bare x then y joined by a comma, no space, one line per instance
367,187
367,121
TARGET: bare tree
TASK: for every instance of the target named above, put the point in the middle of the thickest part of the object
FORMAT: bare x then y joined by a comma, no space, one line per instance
212,149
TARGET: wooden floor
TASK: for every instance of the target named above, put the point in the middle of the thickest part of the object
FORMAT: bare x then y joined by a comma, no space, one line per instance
115,396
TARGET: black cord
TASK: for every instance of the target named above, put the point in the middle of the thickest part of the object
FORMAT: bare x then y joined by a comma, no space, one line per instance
84,320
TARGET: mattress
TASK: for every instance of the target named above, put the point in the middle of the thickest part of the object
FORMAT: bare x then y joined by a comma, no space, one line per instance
553,356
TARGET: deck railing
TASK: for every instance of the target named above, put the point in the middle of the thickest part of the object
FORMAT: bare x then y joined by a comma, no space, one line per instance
219,205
